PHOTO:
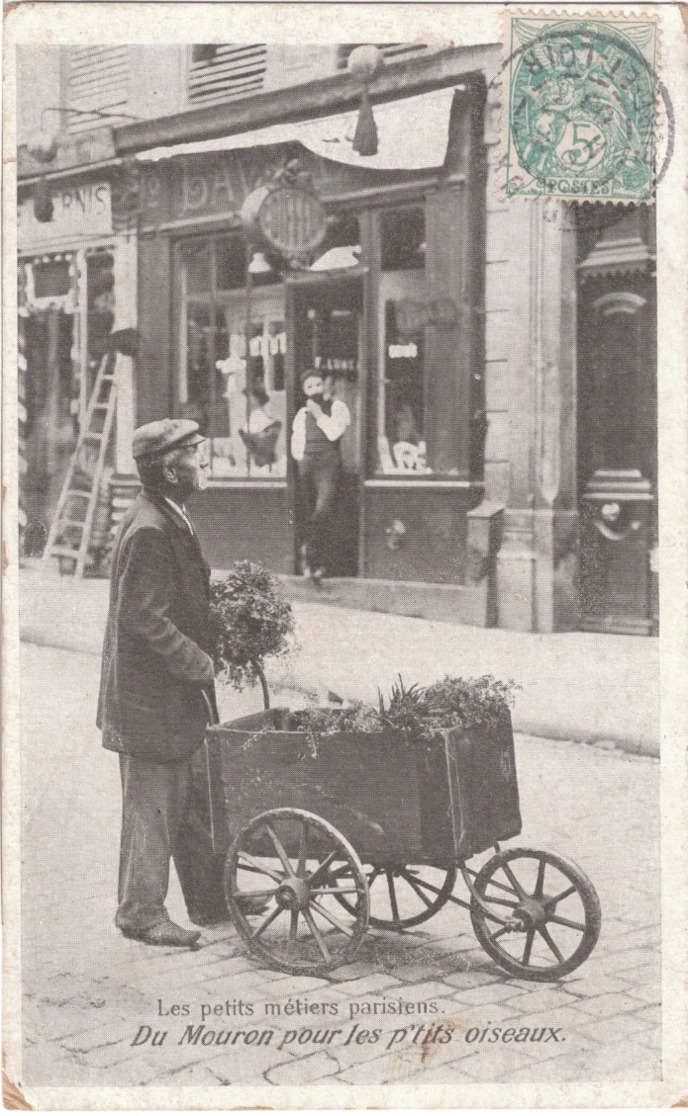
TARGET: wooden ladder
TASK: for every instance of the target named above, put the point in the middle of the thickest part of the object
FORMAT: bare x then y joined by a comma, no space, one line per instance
70,532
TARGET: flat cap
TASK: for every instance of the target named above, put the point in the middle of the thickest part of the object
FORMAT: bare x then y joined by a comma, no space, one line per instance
164,434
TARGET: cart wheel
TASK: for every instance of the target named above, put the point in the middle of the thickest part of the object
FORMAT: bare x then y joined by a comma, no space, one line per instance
283,857
420,890
552,909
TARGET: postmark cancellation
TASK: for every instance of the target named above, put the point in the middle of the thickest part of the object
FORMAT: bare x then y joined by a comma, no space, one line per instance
580,104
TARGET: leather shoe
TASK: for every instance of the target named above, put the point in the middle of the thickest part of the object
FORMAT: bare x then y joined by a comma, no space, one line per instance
165,934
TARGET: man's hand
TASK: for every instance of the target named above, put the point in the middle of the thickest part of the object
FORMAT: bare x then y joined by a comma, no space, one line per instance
313,408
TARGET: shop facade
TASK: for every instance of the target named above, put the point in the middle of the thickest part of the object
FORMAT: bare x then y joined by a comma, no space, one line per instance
497,358
76,278
390,308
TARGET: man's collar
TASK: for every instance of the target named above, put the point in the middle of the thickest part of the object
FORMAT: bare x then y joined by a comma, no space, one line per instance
176,504
181,512
167,503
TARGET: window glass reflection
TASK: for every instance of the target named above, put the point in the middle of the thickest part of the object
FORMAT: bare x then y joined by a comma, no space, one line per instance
402,239
238,399
415,412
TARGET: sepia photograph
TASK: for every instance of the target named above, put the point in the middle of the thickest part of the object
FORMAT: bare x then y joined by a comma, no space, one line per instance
335,439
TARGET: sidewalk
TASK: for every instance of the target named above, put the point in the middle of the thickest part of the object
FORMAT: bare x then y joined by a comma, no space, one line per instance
575,686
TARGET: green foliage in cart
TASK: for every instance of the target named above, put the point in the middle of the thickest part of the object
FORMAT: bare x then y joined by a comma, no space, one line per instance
467,702
417,712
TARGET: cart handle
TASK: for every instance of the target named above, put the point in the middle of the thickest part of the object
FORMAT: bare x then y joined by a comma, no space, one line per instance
213,719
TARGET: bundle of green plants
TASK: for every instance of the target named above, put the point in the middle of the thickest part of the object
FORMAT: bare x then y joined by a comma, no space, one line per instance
250,622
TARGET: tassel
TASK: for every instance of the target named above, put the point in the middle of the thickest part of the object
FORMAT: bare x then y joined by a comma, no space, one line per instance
365,137
42,201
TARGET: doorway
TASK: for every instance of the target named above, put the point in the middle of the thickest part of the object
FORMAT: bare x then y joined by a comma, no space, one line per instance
326,331
617,442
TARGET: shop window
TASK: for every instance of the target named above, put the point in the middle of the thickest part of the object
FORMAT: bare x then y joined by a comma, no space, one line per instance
341,247
49,432
53,279
197,265
230,266
230,258
239,400
417,431
100,286
401,439
402,238
343,231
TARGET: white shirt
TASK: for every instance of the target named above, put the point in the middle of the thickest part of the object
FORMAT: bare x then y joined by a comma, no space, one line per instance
332,426
181,510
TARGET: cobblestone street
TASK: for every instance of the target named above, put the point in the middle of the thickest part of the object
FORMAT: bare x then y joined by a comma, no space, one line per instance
88,991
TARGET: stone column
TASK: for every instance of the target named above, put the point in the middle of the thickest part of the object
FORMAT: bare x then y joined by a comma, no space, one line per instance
555,525
537,563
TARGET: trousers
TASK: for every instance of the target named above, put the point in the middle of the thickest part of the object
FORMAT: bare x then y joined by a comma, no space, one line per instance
319,474
162,820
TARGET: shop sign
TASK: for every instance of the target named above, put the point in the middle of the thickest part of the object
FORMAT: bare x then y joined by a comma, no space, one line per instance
205,186
288,218
78,211
403,352
336,364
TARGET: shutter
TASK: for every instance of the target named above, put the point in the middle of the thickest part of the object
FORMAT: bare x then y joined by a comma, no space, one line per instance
98,81
391,52
227,72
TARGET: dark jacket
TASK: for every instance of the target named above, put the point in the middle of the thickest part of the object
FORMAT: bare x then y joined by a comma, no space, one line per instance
155,656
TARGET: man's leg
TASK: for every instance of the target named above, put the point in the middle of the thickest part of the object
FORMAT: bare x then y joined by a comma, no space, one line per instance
326,477
307,497
154,797
200,870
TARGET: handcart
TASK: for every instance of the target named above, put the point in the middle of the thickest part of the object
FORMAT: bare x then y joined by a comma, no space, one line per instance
352,830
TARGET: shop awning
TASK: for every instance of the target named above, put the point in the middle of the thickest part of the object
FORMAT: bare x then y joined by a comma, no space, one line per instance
412,135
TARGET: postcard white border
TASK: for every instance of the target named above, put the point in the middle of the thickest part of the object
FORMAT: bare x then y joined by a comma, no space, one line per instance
147,23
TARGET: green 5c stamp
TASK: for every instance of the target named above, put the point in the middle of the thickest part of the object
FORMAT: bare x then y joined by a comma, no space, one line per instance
581,108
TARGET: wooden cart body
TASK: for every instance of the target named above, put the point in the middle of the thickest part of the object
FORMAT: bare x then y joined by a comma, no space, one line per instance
396,802
311,826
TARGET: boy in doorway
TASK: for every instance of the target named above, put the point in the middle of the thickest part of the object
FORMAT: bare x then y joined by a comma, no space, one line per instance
316,433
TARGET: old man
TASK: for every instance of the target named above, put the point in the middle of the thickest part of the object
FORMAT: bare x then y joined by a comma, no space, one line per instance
156,693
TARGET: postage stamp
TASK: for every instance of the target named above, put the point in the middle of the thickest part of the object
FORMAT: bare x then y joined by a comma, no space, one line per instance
582,98
344,556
